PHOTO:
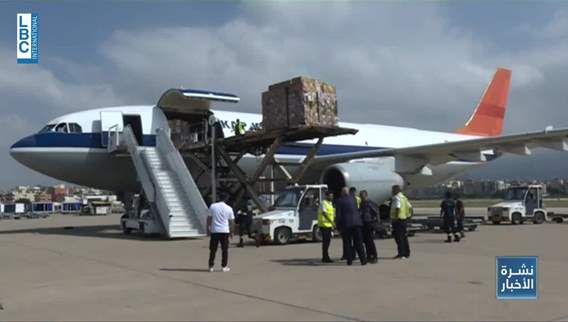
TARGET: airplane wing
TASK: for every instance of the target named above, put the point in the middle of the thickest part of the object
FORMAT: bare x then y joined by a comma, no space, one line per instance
417,158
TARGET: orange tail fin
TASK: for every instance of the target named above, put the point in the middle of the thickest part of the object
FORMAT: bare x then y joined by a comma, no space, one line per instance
487,118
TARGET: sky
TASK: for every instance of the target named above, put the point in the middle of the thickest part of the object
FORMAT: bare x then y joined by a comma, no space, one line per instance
421,64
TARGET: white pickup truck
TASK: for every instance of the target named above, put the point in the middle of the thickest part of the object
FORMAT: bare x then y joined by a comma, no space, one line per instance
294,215
521,203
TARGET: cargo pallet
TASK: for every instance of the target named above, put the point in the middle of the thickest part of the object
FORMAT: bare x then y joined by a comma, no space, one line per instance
557,218
383,229
435,224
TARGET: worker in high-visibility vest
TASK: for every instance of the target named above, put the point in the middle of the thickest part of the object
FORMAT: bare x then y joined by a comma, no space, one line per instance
400,212
239,127
326,223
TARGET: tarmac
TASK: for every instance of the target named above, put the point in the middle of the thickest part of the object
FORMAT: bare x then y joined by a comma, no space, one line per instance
84,268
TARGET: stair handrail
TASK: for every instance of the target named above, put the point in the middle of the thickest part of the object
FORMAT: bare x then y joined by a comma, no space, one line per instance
146,181
176,163
113,138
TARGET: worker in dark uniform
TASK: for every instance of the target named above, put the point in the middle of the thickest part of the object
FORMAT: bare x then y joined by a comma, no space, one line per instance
369,217
239,127
244,220
348,221
326,223
460,215
352,193
448,213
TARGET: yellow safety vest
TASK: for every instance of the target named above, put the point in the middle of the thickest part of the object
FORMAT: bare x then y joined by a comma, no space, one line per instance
405,208
326,215
240,128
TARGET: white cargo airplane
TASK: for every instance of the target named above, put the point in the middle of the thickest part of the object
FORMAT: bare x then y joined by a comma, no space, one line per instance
73,147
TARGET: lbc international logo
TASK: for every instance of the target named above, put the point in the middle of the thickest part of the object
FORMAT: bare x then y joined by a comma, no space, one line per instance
27,36
517,278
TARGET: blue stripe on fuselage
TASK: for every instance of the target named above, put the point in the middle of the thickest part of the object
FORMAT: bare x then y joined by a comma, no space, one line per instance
325,149
93,140
71,140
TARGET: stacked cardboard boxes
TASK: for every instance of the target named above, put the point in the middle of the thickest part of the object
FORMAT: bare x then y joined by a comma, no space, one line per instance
299,102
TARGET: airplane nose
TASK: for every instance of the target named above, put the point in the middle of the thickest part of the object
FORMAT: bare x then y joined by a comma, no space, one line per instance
17,150
29,152
28,141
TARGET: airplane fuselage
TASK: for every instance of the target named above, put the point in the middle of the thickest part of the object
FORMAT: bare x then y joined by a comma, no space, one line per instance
73,147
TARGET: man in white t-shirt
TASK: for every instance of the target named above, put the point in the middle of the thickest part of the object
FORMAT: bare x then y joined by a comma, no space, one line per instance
219,227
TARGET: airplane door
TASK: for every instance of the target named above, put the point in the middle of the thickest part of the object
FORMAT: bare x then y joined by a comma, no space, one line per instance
110,121
308,211
531,201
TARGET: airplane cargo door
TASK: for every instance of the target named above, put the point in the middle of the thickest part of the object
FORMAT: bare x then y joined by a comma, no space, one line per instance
110,121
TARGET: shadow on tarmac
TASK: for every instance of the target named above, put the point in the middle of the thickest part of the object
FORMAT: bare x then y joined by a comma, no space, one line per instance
308,262
318,263
431,241
98,231
200,270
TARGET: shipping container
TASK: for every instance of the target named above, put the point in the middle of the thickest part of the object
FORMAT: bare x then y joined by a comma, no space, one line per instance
9,208
14,210
40,209
20,208
71,207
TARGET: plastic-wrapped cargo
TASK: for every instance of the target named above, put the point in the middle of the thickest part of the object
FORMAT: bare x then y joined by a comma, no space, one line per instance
180,133
299,102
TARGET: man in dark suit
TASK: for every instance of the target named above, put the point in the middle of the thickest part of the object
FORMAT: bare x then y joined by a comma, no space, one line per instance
369,217
348,221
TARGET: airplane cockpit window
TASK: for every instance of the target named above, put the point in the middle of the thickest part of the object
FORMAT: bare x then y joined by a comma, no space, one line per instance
61,128
75,128
47,128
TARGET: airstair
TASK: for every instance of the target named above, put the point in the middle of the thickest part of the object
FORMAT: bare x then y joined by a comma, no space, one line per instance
177,208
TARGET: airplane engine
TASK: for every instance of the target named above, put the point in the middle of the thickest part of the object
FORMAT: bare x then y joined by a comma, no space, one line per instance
375,177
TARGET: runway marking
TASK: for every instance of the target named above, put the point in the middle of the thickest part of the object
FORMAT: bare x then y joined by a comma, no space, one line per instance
215,288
